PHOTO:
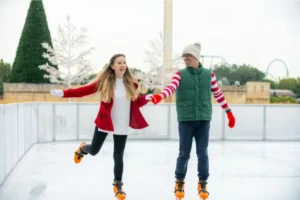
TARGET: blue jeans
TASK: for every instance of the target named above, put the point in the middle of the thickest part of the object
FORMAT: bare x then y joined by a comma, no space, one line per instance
187,131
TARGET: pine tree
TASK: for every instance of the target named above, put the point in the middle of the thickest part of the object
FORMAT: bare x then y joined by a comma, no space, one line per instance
29,52
1,89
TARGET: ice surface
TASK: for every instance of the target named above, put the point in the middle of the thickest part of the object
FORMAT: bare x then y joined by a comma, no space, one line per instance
238,171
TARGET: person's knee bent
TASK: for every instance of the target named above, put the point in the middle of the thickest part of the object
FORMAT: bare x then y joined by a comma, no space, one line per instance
93,152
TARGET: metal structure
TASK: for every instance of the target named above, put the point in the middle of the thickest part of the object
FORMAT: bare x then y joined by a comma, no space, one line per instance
275,79
212,57
277,60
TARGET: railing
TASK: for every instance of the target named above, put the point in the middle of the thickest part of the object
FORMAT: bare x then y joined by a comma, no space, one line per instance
23,125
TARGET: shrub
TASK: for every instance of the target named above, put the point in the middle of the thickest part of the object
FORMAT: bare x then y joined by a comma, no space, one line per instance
281,99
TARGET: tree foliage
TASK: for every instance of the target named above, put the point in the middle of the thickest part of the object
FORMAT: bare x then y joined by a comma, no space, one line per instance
292,84
29,51
5,70
273,84
1,89
280,99
69,54
154,56
242,73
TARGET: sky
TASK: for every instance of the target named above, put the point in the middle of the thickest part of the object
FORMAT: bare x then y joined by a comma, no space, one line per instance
241,31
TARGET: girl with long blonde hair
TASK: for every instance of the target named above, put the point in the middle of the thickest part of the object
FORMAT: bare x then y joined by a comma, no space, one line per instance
120,105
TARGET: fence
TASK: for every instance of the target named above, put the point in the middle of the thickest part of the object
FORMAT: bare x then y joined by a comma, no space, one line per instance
23,125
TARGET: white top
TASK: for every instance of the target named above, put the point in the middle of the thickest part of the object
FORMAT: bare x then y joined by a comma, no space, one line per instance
120,112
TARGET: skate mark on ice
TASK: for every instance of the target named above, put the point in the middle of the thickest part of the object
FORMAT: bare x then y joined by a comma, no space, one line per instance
37,192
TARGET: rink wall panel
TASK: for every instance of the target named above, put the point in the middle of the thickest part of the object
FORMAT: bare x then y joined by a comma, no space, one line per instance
65,122
16,135
86,116
158,119
46,114
25,124
34,123
249,123
2,144
282,122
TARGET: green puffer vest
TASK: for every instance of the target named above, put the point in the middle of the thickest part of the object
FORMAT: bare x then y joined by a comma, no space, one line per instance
193,96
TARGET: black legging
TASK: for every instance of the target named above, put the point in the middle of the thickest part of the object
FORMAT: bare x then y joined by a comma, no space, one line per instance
119,146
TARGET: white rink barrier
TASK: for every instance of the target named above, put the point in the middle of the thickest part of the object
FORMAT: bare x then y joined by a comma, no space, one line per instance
18,133
25,124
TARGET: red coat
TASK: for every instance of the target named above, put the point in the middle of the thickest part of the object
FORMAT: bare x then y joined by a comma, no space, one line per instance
103,119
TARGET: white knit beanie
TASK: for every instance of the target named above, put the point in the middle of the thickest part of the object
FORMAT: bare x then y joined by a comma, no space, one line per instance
193,49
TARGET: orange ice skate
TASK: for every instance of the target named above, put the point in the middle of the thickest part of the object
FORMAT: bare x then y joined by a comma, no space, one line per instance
202,190
119,193
179,189
79,153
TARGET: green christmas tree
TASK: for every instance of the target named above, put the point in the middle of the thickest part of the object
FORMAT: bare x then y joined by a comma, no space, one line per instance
29,52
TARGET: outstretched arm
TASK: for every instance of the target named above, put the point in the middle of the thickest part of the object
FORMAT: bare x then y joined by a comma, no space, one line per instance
80,91
143,99
173,85
169,89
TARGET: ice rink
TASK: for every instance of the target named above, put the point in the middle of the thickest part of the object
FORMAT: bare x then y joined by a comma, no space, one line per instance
238,171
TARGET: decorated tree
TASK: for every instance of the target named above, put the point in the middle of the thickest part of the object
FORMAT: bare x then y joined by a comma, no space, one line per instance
69,54
29,51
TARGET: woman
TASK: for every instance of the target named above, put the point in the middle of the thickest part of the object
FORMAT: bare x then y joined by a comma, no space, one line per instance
119,110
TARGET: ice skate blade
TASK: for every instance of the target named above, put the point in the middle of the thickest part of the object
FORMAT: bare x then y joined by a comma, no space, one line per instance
121,196
179,198
203,196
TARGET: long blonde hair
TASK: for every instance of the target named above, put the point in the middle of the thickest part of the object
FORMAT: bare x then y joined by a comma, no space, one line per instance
106,82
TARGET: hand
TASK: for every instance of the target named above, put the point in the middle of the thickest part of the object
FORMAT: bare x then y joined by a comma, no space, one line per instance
231,119
156,98
149,97
58,93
